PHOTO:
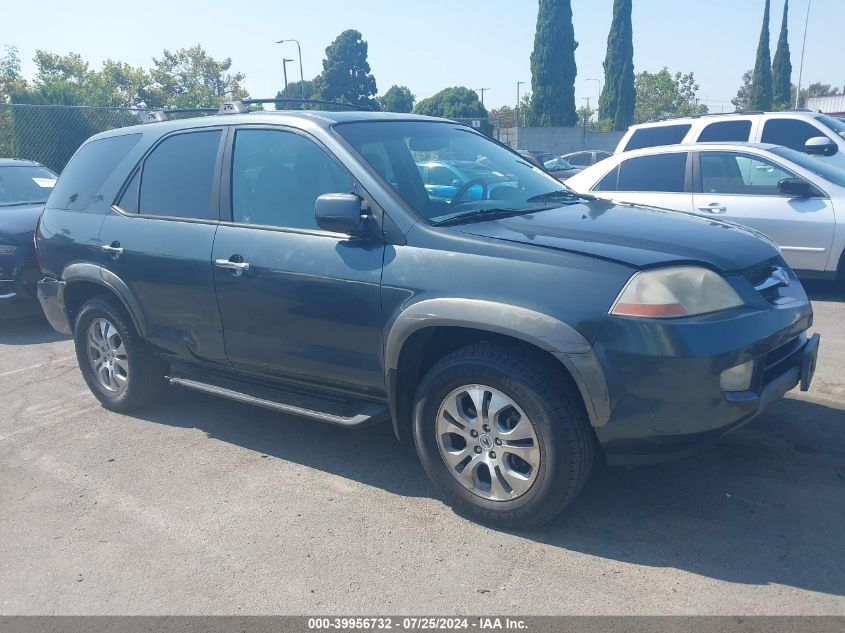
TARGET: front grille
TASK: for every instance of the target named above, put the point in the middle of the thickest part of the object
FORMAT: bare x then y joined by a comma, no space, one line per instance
779,360
758,273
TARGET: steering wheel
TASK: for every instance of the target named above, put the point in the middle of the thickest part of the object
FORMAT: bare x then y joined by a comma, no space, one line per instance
466,187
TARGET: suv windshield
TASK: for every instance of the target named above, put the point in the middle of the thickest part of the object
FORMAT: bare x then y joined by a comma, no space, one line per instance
834,123
819,168
491,179
25,184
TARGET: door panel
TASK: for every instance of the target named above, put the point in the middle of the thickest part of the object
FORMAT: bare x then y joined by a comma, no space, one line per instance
308,306
159,243
743,189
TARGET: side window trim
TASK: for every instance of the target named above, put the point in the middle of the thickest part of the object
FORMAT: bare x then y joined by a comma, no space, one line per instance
139,167
225,196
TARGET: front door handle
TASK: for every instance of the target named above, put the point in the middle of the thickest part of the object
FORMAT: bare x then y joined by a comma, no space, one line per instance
114,249
713,208
228,264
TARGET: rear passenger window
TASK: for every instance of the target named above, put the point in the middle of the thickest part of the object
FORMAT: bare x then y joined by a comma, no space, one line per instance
725,131
177,178
583,159
790,133
278,176
609,182
88,169
664,173
657,135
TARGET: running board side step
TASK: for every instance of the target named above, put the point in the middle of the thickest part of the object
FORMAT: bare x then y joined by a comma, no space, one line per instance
367,413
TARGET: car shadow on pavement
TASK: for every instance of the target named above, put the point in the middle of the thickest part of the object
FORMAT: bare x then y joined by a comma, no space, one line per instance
765,506
30,329
824,290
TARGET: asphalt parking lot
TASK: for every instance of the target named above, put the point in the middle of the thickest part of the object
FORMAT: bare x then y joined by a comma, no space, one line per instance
204,506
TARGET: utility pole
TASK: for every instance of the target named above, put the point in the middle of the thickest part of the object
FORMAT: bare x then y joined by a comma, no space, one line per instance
285,70
803,46
482,91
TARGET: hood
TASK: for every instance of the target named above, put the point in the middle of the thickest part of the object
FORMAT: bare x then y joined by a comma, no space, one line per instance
18,223
633,235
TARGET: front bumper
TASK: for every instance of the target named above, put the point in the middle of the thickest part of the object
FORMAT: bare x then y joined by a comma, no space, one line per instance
664,376
51,296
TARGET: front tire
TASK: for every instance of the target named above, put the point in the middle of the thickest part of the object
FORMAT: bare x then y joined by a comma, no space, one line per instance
503,434
118,366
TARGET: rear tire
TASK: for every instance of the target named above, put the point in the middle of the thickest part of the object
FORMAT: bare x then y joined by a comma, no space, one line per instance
492,392
118,366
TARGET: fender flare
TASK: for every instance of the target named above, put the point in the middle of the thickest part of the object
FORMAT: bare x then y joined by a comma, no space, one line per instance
536,328
92,273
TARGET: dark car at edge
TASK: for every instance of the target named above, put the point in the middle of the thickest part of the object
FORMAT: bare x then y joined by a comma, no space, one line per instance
24,188
512,336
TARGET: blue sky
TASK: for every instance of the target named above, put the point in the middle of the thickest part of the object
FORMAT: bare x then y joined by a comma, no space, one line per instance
428,45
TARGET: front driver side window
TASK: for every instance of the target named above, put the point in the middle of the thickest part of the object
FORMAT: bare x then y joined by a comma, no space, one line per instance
740,174
277,176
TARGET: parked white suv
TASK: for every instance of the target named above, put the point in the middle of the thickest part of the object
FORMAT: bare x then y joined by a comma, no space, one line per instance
810,132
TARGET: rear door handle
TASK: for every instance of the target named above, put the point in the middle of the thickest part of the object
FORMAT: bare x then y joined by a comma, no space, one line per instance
228,264
114,249
713,208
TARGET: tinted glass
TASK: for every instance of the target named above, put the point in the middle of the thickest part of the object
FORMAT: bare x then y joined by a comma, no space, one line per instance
610,182
657,135
582,159
25,184
740,174
177,177
834,123
725,131
789,133
511,184
277,177
129,200
814,165
664,173
88,169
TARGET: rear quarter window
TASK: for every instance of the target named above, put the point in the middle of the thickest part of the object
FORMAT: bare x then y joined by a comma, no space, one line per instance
657,135
89,168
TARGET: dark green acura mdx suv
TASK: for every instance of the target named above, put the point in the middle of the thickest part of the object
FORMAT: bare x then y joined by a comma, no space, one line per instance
512,332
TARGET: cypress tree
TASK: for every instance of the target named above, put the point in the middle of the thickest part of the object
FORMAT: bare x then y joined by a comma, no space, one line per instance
761,81
553,67
782,66
618,96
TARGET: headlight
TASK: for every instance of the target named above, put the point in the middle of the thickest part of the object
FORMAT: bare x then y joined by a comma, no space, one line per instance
7,249
675,292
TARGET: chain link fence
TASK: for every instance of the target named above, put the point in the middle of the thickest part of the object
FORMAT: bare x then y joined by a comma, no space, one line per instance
50,134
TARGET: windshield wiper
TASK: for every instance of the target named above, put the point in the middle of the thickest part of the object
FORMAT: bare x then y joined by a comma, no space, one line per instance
481,214
560,193
20,204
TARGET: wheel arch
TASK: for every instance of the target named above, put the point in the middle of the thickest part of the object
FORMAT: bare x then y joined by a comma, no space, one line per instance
85,280
426,331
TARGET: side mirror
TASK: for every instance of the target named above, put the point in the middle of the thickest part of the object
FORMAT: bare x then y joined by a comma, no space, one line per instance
820,146
795,187
340,213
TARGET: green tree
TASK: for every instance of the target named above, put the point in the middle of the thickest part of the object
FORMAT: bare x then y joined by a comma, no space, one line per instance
191,78
11,79
740,101
458,102
295,90
397,99
761,81
782,66
617,100
553,67
346,73
663,96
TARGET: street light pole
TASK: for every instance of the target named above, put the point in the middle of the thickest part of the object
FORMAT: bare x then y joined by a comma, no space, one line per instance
803,46
285,70
518,84
301,74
